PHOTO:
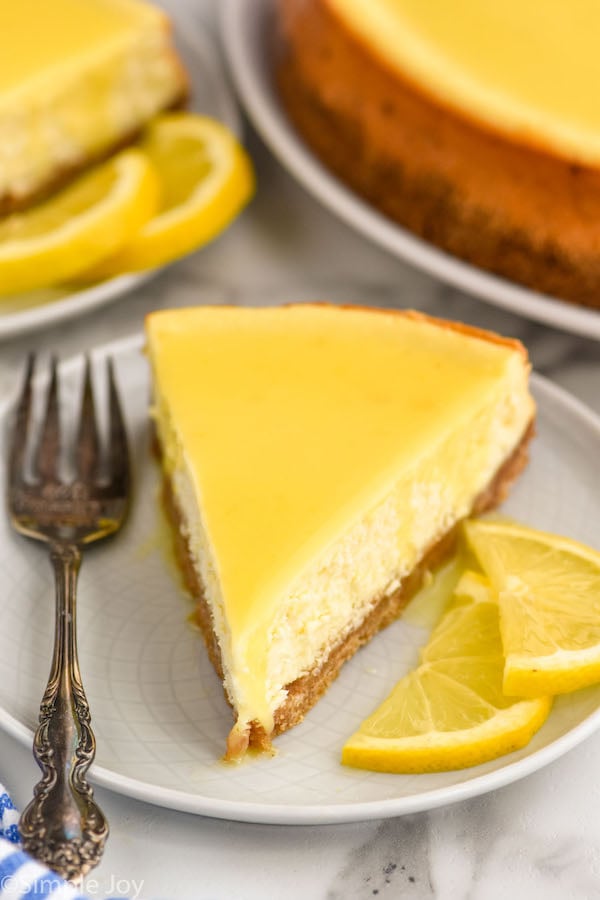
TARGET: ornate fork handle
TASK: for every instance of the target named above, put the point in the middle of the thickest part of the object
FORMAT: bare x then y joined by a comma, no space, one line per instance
63,826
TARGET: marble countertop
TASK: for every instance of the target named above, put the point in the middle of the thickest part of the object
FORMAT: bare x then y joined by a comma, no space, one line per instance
540,837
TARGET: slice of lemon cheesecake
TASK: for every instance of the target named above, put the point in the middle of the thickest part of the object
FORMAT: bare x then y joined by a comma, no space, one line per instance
475,124
317,461
77,79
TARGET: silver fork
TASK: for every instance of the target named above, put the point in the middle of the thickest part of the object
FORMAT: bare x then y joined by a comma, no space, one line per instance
63,826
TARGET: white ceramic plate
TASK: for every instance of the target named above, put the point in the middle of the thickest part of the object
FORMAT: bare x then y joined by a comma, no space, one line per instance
158,709
210,95
247,30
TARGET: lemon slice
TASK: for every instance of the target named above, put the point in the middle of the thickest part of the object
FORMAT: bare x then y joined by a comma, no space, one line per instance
206,178
450,712
81,224
549,597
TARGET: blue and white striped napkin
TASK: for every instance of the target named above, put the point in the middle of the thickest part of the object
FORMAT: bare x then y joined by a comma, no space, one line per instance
9,819
21,877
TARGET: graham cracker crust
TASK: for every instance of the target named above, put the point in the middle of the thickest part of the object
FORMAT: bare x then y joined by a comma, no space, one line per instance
303,693
505,206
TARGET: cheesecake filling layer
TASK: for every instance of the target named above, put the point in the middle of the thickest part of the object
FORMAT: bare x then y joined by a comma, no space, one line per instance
523,68
291,564
74,86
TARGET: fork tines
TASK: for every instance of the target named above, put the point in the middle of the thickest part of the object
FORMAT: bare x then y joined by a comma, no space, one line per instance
87,453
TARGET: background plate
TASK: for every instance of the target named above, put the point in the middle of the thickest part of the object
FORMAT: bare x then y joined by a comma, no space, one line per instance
210,95
158,708
247,30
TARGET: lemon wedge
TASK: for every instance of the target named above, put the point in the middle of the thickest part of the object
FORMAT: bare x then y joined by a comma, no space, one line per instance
549,597
206,178
81,224
450,712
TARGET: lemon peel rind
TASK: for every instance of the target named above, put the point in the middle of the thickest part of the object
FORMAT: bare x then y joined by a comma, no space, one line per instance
525,532
532,676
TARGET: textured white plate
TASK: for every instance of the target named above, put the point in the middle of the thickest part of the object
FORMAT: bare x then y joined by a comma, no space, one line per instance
158,707
247,30
210,95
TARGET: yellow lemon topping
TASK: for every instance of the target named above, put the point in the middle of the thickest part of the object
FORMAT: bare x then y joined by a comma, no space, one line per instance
63,33
526,68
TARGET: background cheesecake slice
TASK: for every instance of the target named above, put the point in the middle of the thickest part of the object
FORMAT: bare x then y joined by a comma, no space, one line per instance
317,460
78,78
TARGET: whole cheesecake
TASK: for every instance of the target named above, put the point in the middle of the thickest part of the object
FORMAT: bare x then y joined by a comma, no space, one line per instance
78,78
474,124
317,461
